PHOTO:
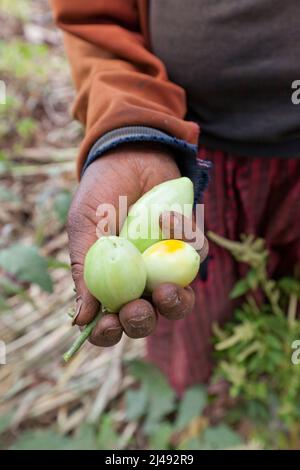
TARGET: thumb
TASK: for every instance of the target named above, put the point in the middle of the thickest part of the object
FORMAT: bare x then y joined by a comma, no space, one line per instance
90,218
82,234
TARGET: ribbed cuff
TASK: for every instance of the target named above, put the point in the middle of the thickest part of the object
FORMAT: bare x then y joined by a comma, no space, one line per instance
185,153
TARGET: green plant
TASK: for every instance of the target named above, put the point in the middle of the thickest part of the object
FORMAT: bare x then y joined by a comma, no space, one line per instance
18,8
4,160
26,128
161,421
22,59
49,439
169,423
26,264
254,350
9,115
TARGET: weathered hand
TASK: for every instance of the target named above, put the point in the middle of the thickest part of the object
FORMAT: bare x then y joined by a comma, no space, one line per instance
130,170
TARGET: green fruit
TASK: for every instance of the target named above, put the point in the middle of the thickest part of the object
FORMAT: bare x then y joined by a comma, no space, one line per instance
114,272
141,226
170,261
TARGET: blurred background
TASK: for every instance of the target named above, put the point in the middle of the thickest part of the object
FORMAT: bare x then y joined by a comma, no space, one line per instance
111,398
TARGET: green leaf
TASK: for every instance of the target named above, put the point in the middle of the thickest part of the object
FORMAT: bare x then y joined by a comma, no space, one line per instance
160,396
107,436
27,265
161,403
41,439
252,278
26,127
191,405
257,411
191,444
53,263
140,370
62,204
290,285
4,160
136,403
240,288
85,439
219,437
5,421
21,59
161,439
11,287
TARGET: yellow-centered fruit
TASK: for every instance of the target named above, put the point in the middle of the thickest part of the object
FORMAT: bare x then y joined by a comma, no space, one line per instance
170,261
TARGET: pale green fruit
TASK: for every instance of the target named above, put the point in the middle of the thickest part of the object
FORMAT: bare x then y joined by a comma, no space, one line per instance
114,272
141,226
170,261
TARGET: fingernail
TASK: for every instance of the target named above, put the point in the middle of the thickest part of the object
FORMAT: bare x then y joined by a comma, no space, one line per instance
136,322
79,303
111,331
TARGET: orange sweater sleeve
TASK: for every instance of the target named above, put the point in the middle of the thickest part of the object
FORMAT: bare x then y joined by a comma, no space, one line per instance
119,81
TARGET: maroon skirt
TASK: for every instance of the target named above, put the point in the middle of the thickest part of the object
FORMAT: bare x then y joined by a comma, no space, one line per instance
259,196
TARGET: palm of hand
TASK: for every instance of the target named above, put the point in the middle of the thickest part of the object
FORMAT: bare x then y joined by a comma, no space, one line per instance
130,171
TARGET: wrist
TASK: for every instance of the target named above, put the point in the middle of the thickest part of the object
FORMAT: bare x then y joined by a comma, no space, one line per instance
138,160
143,153
181,149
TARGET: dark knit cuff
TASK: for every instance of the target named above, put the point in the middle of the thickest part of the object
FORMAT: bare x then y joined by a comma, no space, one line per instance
184,152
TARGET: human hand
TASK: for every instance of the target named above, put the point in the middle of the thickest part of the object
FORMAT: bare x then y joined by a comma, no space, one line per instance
131,170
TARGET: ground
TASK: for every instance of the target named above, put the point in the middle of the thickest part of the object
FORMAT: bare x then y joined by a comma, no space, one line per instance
109,398
39,141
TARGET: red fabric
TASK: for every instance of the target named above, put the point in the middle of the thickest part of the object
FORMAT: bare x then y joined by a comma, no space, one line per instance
246,195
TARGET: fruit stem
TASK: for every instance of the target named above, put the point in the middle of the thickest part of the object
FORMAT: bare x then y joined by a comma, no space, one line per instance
82,338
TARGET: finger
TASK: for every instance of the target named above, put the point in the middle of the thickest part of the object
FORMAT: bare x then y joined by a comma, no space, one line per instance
107,332
138,318
173,301
82,235
177,226
89,219
86,307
